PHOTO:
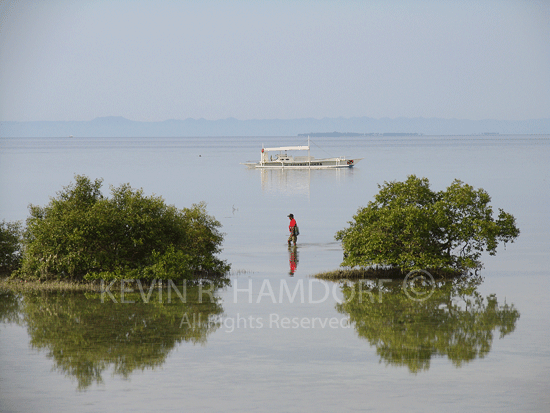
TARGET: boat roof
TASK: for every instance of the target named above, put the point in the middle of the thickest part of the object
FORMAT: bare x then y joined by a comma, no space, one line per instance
287,148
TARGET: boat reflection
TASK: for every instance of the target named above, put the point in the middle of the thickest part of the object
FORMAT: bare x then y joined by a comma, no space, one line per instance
456,322
296,181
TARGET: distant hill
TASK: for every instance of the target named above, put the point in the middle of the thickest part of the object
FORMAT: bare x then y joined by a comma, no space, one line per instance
120,127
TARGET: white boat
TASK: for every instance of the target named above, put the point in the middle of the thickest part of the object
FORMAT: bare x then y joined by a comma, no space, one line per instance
282,160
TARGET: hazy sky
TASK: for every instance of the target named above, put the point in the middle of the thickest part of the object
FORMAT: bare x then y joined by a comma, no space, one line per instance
153,60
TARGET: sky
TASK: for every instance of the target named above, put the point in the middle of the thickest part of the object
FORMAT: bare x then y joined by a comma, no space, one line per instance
153,60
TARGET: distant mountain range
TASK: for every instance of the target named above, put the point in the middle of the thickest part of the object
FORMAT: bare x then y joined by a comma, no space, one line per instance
114,126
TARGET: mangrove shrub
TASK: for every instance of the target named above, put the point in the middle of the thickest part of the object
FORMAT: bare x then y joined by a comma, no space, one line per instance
10,247
409,226
81,234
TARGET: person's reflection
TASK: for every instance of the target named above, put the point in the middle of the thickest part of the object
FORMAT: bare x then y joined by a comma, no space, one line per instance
293,259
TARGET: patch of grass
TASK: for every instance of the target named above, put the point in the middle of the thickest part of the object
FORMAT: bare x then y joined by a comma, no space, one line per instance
18,285
377,273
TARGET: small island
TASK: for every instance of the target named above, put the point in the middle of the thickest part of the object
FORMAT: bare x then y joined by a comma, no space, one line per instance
336,134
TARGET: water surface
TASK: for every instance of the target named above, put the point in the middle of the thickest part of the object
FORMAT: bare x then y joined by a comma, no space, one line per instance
257,346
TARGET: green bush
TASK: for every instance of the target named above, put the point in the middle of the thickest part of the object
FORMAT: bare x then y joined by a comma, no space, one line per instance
10,247
409,226
82,235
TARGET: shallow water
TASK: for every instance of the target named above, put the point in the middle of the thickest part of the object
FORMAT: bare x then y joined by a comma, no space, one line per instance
258,346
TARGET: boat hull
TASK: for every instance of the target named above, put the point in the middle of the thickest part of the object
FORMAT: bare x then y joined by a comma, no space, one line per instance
313,164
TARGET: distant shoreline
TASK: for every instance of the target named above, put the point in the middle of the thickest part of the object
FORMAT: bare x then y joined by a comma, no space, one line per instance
373,136
113,126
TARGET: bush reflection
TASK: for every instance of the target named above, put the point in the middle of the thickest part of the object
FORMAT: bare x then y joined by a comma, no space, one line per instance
85,337
456,322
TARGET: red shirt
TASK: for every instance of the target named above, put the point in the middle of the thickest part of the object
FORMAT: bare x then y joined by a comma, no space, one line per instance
292,224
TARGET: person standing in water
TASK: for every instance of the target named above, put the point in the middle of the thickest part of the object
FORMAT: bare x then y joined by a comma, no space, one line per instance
293,229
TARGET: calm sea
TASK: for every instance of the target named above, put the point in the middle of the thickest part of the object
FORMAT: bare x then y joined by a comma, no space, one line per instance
276,339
